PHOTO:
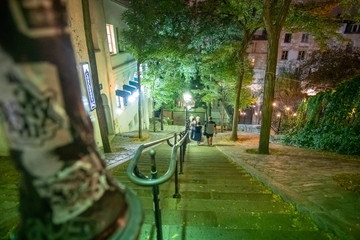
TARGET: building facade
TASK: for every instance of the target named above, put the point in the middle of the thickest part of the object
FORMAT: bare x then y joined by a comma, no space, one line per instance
116,69
293,48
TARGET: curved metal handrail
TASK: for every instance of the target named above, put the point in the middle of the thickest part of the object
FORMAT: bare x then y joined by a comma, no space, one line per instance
130,171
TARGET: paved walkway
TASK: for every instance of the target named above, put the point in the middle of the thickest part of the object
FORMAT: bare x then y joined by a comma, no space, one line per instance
300,176
220,201
305,178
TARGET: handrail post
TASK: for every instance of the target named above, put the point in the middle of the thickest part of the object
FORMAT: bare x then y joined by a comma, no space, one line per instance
176,194
181,158
155,192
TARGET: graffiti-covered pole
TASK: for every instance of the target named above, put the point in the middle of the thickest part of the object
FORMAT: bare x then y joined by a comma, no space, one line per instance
65,191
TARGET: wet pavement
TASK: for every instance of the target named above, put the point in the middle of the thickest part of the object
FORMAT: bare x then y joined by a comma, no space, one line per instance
305,178
242,201
219,200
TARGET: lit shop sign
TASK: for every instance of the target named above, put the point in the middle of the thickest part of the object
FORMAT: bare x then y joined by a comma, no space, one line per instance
89,86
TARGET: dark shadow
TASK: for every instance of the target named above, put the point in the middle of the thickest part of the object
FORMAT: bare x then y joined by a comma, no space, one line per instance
256,151
223,145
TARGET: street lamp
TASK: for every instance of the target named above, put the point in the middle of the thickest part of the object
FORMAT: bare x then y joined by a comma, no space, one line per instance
187,100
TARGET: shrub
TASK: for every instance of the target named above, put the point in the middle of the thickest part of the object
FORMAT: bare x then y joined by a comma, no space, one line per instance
330,120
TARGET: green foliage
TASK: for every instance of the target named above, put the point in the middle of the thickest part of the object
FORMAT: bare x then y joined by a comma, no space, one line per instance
330,120
314,17
167,81
326,69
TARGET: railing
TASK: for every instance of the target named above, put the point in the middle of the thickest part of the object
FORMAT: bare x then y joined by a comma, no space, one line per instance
137,177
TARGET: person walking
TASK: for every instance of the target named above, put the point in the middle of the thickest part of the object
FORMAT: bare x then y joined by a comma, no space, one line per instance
209,131
198,135
192,128
197,118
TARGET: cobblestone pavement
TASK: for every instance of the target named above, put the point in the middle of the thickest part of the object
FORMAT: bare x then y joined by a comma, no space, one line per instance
303,177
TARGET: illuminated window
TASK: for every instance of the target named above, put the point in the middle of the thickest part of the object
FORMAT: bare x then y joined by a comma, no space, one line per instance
287,38
305,38
111,38
301,55
284,55
252,62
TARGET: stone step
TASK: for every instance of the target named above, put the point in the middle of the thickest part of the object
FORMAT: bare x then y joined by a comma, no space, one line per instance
233,220
218,205
215,233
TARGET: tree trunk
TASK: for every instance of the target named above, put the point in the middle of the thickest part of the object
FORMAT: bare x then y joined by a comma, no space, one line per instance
100,112
172,116
154,120
268,98
210,109
234,136
139,99
273,22
162,118
65,190
222,116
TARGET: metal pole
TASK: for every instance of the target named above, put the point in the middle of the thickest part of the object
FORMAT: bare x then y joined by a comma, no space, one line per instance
155,190
182,150
176,194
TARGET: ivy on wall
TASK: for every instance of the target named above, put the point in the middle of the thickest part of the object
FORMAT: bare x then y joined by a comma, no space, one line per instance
330,120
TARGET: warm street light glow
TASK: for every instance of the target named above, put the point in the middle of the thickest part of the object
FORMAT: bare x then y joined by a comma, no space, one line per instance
274,104
118,111
187,97
294,114
278,115
288,108
256,113
131,98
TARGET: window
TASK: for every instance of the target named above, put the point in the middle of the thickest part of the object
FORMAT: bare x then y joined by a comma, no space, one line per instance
287,38
352,28
301,55
284,55
252,62
305,38
111,38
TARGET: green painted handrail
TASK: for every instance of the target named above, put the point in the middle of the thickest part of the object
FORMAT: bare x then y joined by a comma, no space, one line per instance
172,164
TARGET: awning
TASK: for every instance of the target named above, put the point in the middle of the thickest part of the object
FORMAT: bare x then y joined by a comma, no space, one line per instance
129,88
122,93
133,84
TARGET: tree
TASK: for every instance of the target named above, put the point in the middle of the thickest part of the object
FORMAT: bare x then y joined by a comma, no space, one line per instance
158,35
275,13
326,69
138,39
312,16
288,91
246,16
288,97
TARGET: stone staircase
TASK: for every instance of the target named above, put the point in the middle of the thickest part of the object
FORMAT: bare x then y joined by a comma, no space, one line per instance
219,200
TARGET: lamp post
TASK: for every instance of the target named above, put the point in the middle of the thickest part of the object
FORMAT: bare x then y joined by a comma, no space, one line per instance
187,100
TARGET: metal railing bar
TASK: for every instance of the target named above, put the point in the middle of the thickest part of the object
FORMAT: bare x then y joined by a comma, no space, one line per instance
150,144
150,182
